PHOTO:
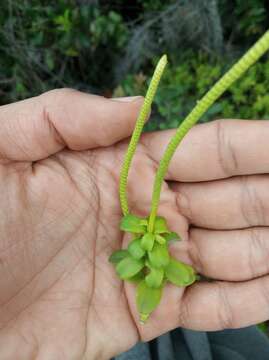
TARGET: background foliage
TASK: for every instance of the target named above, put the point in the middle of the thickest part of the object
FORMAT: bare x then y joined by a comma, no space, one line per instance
111,47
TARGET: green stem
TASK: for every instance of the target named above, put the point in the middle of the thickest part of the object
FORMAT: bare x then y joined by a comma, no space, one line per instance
252,55
142,117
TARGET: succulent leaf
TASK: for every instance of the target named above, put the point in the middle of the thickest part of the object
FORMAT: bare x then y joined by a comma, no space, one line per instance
132,223
147,299
129,267
160,226
144,222
159,256
155,277
160,239
137,278
179,273
117,256
135,249
147,241
171,236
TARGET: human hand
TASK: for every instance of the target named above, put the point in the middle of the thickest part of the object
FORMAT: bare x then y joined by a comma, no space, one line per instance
59,216
60,160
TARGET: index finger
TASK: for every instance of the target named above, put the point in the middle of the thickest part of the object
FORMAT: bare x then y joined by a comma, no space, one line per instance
36,128
215,150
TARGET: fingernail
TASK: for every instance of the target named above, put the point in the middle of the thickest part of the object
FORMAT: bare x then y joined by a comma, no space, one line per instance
127,98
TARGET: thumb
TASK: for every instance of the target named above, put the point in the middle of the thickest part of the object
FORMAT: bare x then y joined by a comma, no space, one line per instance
35,128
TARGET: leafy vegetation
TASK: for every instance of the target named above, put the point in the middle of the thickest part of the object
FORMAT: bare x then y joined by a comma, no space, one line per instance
47,44
183,84
147,262
95,45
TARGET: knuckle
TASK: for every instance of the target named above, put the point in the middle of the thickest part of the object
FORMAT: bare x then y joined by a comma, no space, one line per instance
59,93
184,313
251,204
57,99
183,203
225,312
264,288
195,252
104,138
258,253
254,252
225,149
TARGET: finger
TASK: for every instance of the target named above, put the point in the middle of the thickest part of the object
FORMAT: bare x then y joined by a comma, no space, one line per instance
234,255
238,202
224,305
215,150
38,127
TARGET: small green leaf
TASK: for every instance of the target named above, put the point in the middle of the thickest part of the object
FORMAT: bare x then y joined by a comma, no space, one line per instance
155,277
131,223
171,236
159,256
144,222
179,273
160,239
117,256
135,249
160,226
137,278
147,299
147,241
129,267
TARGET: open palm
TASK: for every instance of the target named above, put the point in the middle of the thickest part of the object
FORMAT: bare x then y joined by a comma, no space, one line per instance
59,219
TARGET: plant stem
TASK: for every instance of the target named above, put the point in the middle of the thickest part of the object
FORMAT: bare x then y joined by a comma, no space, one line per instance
142,117
251,56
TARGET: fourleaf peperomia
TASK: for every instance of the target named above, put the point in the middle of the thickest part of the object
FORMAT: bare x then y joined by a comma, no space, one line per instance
147,261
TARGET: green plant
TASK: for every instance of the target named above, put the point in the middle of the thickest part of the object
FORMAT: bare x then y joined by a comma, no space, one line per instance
145,110
51,44
253,19
183,83
147,259
93,45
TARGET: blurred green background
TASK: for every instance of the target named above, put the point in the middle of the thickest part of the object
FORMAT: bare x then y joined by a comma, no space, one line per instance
111,48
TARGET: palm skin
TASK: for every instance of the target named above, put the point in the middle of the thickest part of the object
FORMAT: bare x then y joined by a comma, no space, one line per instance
59,296
61,229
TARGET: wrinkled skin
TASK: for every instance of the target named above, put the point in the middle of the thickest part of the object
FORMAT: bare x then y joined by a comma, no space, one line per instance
59,220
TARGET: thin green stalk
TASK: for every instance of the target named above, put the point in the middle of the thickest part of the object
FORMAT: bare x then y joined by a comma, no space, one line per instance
252,55
142,117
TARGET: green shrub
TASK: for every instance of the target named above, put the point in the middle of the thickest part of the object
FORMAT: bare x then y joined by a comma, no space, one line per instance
93,44
182,85
243,20
54,44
